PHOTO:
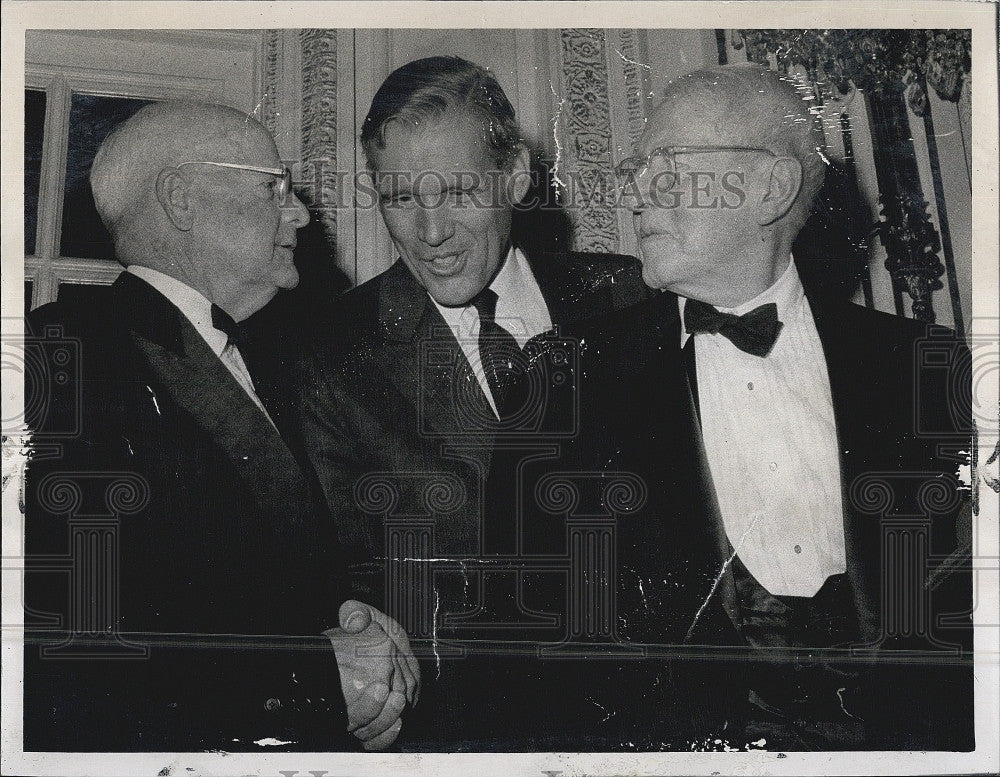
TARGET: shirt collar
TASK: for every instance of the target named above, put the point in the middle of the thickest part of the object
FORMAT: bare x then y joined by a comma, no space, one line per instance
509,279
195,307
464,319
521,308
786,293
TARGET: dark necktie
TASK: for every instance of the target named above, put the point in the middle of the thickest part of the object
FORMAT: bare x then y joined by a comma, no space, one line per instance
754,332
498,350
224,322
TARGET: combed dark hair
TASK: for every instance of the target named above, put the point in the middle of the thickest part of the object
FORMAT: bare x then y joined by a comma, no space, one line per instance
425,88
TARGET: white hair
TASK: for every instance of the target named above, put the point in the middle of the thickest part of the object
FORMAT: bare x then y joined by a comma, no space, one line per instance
124,172
750,105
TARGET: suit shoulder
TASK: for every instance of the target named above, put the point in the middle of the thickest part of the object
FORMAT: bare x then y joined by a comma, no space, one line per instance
600,259
355,312
51,314
617,275
363,297
597,265
88,359
69,319
646,321
880,327
353,335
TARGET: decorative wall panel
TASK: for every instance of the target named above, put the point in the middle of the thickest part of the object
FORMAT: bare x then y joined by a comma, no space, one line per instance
271,78
908,81
319,124
633,64
586,153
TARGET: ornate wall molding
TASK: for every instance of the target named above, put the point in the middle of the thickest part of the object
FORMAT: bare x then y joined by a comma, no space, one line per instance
319,124
893,69
628,90
965,123
586,152
272,75
635,101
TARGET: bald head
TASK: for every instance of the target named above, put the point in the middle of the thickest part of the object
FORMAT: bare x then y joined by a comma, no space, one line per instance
733,161
199,192
746,105
160,135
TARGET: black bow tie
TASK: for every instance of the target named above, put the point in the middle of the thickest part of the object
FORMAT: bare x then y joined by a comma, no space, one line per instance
754,332
224,322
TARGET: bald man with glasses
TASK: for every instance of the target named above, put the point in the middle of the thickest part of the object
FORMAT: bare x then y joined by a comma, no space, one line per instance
220,577
803,534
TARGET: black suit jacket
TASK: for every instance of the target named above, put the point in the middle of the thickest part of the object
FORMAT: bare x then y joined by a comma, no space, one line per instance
174,542
901,402
391,391
402,437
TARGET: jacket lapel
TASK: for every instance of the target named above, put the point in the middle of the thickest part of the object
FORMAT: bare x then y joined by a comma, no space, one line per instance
426,362
678,548
701,523
197,381
859,424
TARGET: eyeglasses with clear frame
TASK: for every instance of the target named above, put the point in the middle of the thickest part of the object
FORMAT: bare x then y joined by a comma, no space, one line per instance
283,174
663,161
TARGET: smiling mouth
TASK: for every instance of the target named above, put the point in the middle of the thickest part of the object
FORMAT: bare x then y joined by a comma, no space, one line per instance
446,264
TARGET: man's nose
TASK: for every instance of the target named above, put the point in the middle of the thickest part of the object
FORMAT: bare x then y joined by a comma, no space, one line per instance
637,223
294,211
436,225
634,193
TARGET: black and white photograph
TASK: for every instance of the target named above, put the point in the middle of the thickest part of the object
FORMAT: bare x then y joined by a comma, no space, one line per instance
505,388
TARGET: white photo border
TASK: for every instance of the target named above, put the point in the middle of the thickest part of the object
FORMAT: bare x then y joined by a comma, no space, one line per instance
980,17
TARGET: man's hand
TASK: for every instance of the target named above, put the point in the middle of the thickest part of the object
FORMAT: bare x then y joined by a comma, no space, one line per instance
378,673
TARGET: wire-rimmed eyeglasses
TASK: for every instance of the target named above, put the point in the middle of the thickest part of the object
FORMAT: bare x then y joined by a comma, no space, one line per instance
284,185
662,161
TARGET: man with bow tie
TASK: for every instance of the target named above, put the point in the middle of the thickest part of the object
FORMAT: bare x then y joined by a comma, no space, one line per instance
183,597
789,543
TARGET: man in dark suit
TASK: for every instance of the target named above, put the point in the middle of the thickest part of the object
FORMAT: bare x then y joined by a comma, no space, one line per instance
181,560
453,351
801,550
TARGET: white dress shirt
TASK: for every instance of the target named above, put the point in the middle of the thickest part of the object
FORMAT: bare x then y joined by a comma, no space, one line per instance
771,443
521,310
198,310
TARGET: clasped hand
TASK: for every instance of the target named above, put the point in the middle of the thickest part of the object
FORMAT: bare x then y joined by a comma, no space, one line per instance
378,673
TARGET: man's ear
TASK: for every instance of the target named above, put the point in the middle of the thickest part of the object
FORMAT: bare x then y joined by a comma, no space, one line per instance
519,175
784,183
172,193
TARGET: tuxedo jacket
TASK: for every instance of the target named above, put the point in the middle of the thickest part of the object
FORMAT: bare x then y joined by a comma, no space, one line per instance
181,561
402,437
901,399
